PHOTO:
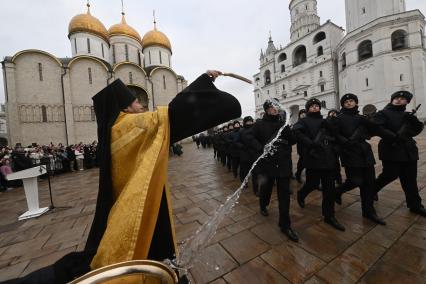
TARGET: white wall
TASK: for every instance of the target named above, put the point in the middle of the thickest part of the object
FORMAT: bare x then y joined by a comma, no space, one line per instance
134,48
96,44
152,56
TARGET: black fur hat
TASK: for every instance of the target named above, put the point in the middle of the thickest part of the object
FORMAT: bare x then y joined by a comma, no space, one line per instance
348,97
311,102
247,119
404,94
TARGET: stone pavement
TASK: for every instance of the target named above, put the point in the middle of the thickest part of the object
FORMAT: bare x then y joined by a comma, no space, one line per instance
248,248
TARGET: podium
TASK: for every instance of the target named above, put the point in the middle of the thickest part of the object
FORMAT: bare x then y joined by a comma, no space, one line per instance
29,178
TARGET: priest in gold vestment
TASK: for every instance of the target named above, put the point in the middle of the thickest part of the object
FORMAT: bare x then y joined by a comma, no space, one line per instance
133,217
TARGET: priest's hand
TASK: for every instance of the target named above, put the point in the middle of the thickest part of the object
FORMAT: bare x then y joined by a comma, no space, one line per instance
213,74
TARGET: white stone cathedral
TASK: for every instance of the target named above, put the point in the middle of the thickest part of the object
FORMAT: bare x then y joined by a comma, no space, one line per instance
381,52
48,99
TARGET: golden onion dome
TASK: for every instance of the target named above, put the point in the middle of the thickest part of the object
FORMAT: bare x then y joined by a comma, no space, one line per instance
124,29
87,23
155,37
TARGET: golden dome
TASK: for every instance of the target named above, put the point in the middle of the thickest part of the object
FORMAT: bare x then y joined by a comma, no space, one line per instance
87,23
124,29
155,37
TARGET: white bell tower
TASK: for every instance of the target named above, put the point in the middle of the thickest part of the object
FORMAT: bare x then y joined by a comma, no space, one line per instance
361,12
304,18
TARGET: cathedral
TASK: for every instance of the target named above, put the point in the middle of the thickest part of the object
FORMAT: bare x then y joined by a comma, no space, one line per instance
382,51
48,99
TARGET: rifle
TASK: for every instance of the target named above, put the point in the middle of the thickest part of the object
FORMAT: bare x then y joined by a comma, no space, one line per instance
317,141
406,125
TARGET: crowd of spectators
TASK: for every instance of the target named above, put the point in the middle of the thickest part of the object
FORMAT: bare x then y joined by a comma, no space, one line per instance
58,159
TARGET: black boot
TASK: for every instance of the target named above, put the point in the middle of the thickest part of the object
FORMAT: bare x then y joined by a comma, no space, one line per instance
376,219
334,223
292,235
421,211
339,197
376,197
264,212
300,200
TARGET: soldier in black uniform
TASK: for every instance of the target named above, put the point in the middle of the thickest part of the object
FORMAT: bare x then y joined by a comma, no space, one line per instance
228,142
276,167
397,148
233,148
356,155
221,145
248,155
319,158
300,167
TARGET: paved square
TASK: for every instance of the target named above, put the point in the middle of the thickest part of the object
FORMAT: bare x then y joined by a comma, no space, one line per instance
248,248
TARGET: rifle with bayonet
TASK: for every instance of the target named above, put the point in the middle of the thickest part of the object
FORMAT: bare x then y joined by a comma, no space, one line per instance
405,127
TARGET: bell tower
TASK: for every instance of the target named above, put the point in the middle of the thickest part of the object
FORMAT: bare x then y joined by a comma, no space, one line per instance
304,18
361,12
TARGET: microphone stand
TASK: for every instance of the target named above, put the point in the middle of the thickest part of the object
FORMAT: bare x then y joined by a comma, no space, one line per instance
44,166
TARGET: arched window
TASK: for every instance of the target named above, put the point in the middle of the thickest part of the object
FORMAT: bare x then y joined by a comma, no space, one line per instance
399,40
320,51
267,77
319,37
343,60
365,50
299,56
282,68
282,57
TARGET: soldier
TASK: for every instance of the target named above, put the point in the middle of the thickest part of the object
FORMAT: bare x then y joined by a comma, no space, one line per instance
248,155
275,167
356,155
300,168
228,142
319,159
233,148
397,148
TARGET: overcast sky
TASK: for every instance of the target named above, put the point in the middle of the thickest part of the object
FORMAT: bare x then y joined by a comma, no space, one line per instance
224,34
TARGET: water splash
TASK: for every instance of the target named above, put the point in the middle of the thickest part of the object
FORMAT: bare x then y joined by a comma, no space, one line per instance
194,245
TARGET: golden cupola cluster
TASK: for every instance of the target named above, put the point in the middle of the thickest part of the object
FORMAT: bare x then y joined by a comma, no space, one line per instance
90,24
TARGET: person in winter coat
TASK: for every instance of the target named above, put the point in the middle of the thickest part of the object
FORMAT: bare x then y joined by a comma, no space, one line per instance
356,155
319,158
275,167
398,150
248,155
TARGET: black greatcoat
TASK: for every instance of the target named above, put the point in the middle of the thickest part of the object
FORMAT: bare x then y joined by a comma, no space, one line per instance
197,108
247,153
260,134
319,154
396,147
352,131
233,148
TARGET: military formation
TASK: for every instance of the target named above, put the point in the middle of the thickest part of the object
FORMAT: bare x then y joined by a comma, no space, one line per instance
324,145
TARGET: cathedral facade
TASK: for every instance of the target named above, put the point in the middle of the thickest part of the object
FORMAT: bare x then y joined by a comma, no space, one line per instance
48,99
382,51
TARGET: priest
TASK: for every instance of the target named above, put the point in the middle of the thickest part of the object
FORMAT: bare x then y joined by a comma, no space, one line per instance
133,217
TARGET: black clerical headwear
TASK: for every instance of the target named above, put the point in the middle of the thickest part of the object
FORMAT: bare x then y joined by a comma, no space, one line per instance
111,100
